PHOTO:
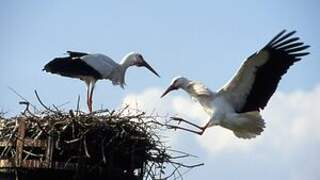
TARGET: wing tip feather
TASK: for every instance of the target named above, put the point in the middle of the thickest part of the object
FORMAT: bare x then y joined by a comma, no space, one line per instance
290,45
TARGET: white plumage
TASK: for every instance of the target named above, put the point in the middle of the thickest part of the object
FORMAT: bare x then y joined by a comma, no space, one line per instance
101,63
237,105
92,67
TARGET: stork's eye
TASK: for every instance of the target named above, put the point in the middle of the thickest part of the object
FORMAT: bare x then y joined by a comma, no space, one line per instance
140,57
139,60
175,82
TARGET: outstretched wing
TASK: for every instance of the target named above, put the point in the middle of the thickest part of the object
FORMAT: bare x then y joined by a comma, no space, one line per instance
258,77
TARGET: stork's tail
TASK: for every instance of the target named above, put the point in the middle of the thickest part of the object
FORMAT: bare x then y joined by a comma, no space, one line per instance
250,125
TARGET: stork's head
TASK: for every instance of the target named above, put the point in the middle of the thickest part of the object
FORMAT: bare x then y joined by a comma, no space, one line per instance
176,83
136,59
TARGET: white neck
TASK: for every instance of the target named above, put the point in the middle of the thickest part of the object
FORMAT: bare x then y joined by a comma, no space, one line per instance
126,61
199,92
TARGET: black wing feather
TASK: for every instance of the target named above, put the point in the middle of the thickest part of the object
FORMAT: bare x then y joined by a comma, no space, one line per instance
283,37
283,53
293,45
285,42
65,66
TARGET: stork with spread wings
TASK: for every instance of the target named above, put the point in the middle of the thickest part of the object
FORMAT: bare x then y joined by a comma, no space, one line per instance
237,105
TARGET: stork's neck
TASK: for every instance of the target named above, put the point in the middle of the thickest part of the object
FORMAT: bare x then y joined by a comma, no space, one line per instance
125,63
199,92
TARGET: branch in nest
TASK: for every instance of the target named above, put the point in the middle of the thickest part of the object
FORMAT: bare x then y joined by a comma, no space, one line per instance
46,107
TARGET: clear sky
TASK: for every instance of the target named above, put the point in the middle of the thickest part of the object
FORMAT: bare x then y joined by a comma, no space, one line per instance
203,40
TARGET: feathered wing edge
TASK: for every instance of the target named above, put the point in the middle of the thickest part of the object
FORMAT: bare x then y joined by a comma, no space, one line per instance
71,66
284,50
254,83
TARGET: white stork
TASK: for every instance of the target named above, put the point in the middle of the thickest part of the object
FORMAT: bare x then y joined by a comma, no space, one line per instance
92,67
237,105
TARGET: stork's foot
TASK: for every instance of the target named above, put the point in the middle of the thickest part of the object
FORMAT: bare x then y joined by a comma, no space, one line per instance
179,120
202,130
186,129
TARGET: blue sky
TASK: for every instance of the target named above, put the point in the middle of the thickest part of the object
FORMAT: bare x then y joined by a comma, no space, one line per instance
203,40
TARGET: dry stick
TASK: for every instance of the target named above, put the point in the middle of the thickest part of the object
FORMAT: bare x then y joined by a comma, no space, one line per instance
121,112
179,157
176,169
27,110
9,140
63,104
55,107
83,136
86,147
16,93
37,137
104,159
181,152
73,140
29,153
150,170
169,126
177,165
186,166
46,107
34,116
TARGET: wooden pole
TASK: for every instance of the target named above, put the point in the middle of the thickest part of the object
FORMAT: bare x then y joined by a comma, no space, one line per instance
50,147
19,144
20,141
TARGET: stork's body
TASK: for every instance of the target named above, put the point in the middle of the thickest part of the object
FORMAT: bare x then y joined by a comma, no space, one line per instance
237,105
93,67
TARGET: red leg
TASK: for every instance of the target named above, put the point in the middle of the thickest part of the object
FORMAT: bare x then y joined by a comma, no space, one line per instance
202,129
90,96
185,121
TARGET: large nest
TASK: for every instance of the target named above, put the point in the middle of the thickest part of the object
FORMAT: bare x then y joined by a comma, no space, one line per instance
113,144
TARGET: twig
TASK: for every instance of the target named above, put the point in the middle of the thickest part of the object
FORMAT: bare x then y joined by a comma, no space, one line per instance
43,105
29,153
181,152
63,104
16,93
187,166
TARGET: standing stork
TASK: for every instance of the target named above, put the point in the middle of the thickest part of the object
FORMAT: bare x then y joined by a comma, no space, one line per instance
237,105
92,67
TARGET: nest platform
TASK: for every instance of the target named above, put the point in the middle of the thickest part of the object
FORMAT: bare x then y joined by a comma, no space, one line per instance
67,146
